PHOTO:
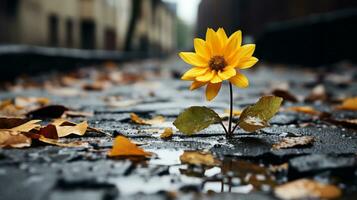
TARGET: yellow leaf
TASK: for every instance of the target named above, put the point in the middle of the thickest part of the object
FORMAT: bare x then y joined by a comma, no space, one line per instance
63,122
13,139
167,134
235,113
348,104
198,158
304,109
156,120
307,189
123,147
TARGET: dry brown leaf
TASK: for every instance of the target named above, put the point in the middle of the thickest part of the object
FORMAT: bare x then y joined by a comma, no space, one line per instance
156,120
307,189
72,113
8,123
63,144
63,122
289,142
28,126
123,147
13,139
97,85
285,94
64,91
199,158
167,134
79,129
348,104
51,111
304,109
30,102
116,102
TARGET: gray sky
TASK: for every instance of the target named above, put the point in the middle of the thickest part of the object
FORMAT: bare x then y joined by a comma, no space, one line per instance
187,9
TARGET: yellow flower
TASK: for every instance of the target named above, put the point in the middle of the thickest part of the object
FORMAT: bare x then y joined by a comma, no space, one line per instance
217,59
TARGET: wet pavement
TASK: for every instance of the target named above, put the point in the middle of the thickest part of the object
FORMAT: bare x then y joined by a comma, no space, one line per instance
249,167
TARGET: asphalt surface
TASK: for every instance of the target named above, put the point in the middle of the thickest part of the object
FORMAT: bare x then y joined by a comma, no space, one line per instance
51,172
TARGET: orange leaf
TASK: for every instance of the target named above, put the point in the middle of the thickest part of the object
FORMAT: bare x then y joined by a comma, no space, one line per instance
123,147
304,109
348,104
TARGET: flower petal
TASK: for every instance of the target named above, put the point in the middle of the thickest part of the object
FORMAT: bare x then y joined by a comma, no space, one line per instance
245,64
193,59
233,44
197,84
194,72
227,73
201,48
240,80
212,90
206,76
222,36
216,79
247,50
213,42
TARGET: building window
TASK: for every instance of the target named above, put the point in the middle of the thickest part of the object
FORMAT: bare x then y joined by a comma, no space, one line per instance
87,35
110,39
69,33
53,35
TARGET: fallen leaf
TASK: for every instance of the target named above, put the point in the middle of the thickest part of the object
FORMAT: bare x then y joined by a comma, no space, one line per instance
318,93
64,91
72,113
199,158
51,111
30,102
195,119
304,109
123,147
289,142
97,86
13,139
63,122
236,113
156,120
8,123
48,131
18,125
117,103
63,144
167,134
28,126
348,104
78,129
256,116
285,94
307,189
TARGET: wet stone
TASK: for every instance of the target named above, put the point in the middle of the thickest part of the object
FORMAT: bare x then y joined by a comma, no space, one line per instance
316,163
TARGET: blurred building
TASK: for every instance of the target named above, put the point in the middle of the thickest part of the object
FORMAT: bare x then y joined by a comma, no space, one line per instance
252,16
89,24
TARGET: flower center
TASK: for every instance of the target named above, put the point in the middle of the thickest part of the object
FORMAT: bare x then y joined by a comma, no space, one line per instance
217,63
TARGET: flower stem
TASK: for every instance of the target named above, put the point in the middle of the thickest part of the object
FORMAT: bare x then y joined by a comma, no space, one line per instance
230,132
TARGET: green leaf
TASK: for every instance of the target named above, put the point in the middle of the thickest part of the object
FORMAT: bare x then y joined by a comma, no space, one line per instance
196,118
256,116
